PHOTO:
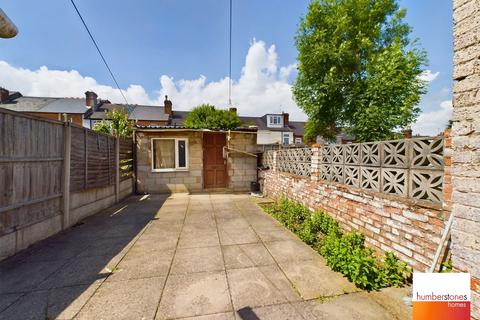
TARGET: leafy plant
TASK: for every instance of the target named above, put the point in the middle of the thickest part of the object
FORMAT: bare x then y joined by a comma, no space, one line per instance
344,252
358,69
206,116
447,266
116,123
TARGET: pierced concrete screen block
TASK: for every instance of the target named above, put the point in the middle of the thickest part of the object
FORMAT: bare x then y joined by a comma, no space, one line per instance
395,154
297,161
326,154
337,154
337,173
370,178
395,181
352,154
426,185
370,154
352,176
427,153
325,172
267,159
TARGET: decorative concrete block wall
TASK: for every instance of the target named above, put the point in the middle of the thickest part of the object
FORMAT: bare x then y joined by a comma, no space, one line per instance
373,188
466,144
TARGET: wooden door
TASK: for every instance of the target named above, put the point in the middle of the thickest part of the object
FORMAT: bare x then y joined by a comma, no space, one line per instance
214,165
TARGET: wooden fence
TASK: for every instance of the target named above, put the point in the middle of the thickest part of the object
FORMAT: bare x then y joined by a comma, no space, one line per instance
43,161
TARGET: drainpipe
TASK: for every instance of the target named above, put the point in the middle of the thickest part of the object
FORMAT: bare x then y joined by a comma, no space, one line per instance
7,28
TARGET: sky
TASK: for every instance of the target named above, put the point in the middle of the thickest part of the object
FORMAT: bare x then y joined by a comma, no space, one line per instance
180,48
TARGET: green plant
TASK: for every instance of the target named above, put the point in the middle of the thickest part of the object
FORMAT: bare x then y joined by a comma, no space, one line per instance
447,266
343,252
116,124
206,116
358,68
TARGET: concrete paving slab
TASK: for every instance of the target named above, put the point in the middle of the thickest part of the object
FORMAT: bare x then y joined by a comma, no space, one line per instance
229,236
138,265
292,250
254,287
32,306
276,233
283,311
7,299
320,282
14,280
65,303
355,306
131,299
218,316
194,295
246,255
189,260
198,239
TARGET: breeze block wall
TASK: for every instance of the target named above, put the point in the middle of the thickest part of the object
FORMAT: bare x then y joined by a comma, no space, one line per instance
466,144
409,227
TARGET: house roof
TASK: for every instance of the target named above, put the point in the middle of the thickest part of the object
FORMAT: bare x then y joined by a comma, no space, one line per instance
135,112
297,127
166,128
45,104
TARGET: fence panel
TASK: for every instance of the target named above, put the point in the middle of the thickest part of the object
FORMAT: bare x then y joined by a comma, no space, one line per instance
126,159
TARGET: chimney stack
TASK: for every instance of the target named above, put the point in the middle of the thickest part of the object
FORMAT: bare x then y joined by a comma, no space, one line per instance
167,104
4,95
285,119
233,109
90,99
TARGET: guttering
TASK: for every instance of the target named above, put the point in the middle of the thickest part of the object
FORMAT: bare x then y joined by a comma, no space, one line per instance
7,28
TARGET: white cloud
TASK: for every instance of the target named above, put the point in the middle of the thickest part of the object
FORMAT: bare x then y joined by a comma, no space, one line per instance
428,75
433,122
263,86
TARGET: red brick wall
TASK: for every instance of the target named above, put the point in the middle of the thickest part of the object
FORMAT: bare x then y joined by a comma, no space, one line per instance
388,223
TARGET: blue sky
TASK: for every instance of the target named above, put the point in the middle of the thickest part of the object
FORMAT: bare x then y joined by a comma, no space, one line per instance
180,48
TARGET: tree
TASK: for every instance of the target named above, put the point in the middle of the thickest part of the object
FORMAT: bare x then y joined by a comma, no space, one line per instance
357,69
206,116
116,124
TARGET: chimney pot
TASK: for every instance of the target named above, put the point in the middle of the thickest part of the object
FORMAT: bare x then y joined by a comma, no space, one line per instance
90,99
167,104
4,95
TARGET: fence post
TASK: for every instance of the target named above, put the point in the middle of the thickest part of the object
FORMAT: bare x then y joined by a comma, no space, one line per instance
117,169
67,139
316,160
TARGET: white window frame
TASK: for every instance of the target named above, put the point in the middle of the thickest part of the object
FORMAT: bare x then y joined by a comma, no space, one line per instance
298,140
285,135
272,124
177,167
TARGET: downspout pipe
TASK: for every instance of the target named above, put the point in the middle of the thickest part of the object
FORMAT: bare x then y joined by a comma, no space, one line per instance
7,28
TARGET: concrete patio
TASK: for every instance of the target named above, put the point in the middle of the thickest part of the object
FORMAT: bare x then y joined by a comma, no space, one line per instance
206,256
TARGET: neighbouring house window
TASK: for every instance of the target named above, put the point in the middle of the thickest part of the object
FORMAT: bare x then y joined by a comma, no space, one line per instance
298,140
286,138
275,121
169,154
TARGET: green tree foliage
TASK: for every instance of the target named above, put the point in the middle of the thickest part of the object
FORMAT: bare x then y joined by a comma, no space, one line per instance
116,124
206,116
357,69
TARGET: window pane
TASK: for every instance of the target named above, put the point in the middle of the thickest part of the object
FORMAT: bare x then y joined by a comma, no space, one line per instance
163,154
182,154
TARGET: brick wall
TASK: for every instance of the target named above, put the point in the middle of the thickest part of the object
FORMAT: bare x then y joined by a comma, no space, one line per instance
466,144
410,228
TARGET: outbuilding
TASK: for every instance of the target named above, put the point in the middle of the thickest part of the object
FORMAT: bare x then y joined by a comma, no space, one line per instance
177,159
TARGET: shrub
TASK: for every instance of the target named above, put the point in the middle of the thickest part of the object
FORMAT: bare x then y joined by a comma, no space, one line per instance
344,252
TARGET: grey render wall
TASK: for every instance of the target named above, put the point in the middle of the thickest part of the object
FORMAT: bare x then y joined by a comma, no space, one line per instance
466,144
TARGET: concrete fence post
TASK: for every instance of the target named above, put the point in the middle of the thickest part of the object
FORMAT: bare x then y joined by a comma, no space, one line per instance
67,140
117,169
316,160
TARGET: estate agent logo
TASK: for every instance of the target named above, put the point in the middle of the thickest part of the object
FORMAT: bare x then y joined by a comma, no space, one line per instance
441,296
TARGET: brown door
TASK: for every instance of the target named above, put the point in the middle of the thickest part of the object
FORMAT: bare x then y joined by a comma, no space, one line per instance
214,165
